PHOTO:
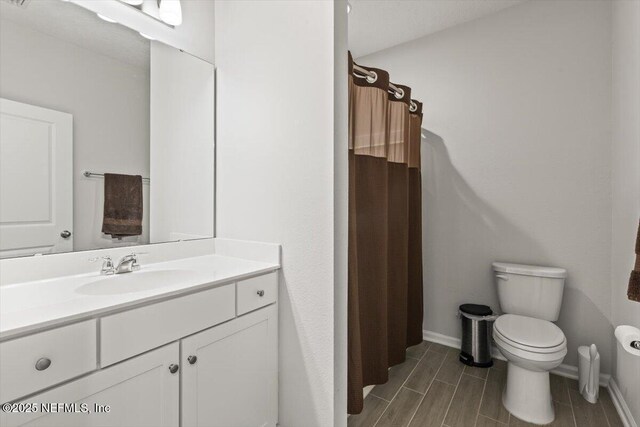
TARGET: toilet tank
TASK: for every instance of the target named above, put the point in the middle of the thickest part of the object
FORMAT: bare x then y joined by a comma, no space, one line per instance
530,290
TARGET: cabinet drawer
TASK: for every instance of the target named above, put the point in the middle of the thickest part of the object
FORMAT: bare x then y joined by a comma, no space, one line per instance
24,367
257,292
140,392
132,332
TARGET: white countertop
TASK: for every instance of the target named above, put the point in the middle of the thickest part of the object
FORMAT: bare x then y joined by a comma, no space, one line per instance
30,306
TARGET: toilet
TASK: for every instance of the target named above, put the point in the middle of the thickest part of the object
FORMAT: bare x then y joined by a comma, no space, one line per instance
530,298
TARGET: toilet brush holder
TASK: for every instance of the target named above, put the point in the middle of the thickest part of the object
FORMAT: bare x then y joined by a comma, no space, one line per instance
589,372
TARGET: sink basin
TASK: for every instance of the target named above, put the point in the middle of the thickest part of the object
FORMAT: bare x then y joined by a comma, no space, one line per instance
137,281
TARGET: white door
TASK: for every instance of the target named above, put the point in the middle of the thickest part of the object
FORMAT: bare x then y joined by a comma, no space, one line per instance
36,181
234,380
140,392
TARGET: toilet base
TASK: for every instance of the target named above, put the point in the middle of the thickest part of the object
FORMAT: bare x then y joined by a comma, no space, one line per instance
527,395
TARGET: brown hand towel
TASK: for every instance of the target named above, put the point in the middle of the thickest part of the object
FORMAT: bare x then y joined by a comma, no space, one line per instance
122,205
634,282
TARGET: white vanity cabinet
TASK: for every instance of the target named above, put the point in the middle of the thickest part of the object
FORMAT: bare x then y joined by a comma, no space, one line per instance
190,360
229,374
132,332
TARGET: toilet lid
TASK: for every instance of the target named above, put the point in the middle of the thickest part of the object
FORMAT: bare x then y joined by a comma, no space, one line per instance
536,334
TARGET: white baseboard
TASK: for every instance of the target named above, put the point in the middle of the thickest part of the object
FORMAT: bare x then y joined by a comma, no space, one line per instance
570,371
564,370
441,339
621,405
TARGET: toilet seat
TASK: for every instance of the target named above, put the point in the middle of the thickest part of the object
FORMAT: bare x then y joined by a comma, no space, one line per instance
527,336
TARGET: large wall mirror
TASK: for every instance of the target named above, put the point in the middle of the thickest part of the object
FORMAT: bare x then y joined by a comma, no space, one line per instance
106,136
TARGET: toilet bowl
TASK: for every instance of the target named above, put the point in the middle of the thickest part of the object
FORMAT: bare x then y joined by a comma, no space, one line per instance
532,348
530,297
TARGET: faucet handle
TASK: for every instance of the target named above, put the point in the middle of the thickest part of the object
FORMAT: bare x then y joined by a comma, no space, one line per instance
135,256
107,264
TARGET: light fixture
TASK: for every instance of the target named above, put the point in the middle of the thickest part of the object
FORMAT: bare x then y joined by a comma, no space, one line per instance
146,36
171,12
133,2
106,18
348,7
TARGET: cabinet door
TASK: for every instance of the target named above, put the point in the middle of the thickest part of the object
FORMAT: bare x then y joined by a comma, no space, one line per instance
139,392
234,380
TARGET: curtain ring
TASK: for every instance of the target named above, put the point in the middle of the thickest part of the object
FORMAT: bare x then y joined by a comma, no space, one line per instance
413,107
399,94
373,77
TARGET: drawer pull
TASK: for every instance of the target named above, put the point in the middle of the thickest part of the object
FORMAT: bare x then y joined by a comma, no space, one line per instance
43,363
260,293
192,359
173,368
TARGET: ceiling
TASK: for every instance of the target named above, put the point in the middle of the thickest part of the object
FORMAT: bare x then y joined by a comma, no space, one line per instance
80,27
379,24
373,24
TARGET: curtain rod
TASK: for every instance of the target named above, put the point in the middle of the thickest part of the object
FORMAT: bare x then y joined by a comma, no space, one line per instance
372,76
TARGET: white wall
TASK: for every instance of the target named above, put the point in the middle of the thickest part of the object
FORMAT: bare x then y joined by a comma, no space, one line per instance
275,154
517,158
625,180
626,156
109,101
182,145
341,211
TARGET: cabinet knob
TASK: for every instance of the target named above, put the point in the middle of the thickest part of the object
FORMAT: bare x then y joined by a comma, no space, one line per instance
65,234
43,363
260,293
192,359
173,368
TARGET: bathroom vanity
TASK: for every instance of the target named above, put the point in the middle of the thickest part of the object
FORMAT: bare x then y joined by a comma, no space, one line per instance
190,341
117,305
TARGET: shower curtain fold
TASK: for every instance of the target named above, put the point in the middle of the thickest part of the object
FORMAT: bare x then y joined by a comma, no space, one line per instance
415,310
385,237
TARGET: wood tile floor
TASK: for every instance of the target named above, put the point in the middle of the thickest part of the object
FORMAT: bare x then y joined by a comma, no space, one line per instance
432,388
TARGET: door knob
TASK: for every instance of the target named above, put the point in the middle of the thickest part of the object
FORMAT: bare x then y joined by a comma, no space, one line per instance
65,234
192,359
173,368
43,363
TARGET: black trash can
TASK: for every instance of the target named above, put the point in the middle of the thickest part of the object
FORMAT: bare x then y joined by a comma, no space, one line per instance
476,335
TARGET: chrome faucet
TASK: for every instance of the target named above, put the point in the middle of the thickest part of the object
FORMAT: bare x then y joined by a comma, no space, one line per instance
127,264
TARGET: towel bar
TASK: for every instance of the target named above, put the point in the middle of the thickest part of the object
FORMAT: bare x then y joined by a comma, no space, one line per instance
90,174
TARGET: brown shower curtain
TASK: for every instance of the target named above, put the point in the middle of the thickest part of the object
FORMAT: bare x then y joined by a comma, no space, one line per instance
633,293
385,233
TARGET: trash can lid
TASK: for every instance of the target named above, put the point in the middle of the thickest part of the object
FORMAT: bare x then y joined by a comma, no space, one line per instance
476,309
